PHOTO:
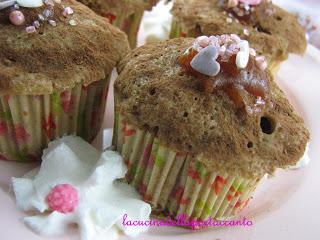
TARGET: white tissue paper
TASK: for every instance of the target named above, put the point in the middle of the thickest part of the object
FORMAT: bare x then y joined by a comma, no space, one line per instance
156,25
102,200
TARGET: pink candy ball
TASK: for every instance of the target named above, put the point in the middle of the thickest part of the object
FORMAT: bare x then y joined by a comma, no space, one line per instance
16,18
203,41
63,198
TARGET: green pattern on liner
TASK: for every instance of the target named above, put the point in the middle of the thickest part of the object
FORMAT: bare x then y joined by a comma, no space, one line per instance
241,187
133,169
22,156
56,103
207,210
6,115
159,162
199,206
200,169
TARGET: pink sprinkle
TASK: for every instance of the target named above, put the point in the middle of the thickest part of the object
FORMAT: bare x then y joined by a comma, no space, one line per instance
269,11
49,3
261,62
36,24
63,198
233,3
214,41
246,32
252,52
203,41
67,11
235,37
16,18
31,29
251,2
52,23
224,39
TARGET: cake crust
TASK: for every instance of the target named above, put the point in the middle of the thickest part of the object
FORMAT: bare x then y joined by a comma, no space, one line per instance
274,35
154,93
56,58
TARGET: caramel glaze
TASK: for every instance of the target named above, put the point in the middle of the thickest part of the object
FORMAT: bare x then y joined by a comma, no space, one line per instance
237,83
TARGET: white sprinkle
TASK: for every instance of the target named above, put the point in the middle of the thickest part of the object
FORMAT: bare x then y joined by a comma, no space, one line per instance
246,32
41,17
222,50
67,11
31,29
247,7
47,13
242,58
36,24
229,20
49,3
72,22
261,62
52,23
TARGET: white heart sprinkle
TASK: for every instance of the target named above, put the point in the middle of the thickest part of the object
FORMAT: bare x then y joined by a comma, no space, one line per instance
242,58
205,61
30,3
6,4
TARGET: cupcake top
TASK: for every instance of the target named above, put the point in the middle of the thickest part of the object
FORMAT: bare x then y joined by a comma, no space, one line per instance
112,8
270,30
54,46
212,97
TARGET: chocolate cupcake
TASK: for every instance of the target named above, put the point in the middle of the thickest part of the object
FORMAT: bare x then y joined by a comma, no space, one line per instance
200,122
272,31
55,65
125,14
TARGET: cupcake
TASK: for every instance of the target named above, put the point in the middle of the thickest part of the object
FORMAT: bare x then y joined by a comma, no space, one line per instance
55,65
125,14
200,122
272,31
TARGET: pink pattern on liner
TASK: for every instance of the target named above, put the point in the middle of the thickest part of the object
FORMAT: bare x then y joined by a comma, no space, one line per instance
20,134
3,128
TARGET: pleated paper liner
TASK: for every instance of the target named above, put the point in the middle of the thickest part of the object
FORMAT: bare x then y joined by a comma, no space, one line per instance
129,24
28,123
177,182
177,30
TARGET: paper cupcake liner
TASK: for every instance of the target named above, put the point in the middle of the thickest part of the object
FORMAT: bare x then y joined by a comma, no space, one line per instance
28,123
129,24
176,182
178,31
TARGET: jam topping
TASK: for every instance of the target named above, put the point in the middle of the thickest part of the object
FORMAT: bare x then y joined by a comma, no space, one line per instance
227,63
